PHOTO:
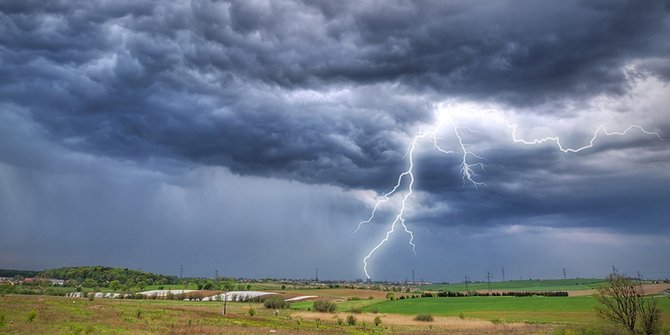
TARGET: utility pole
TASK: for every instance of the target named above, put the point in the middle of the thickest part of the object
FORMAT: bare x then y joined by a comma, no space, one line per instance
216,274
467,289
181,271
225,299
564,276
413,282
317,275
503,273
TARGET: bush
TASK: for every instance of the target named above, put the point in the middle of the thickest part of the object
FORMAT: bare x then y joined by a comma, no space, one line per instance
377,321
356,309
424,317
31,316
351,320
324,306
252,312
275,302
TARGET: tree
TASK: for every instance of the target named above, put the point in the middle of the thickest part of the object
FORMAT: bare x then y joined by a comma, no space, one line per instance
114,285
623,304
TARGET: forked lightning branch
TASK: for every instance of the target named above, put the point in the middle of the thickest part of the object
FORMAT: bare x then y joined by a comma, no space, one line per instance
470,166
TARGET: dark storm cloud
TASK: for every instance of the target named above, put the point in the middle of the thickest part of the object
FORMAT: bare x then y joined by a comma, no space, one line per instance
303,90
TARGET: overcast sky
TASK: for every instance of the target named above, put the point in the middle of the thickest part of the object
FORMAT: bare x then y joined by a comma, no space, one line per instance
252,136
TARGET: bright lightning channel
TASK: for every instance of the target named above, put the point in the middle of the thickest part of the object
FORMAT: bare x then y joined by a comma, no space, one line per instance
467,172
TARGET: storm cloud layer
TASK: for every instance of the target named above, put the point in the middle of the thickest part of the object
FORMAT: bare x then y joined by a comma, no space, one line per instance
322,98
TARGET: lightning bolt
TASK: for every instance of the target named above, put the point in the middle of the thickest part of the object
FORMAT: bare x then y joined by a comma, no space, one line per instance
598,130
467,171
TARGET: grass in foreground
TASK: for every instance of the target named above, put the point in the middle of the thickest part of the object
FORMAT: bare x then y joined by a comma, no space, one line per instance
58,315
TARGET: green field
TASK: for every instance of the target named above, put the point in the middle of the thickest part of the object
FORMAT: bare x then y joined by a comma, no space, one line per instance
58,315
341,307
523,285
527,309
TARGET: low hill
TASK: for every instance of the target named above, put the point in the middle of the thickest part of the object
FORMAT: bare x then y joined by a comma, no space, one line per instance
96,276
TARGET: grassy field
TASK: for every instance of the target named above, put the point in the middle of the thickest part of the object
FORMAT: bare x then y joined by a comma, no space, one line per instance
58,315
524,285
525,309
23,314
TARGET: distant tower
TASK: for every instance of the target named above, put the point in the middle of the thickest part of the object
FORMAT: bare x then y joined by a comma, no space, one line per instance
216,274
503,273
564,275
181,271
413,282
467,289
317,275
614,270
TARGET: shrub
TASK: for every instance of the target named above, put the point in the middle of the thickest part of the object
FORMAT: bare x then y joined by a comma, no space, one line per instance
251,312
324,306
377,321
2,321
275,302
390,296
31,316
424,317
351,320
356,309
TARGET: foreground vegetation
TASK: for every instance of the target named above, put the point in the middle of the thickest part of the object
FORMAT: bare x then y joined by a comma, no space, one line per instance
59,315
